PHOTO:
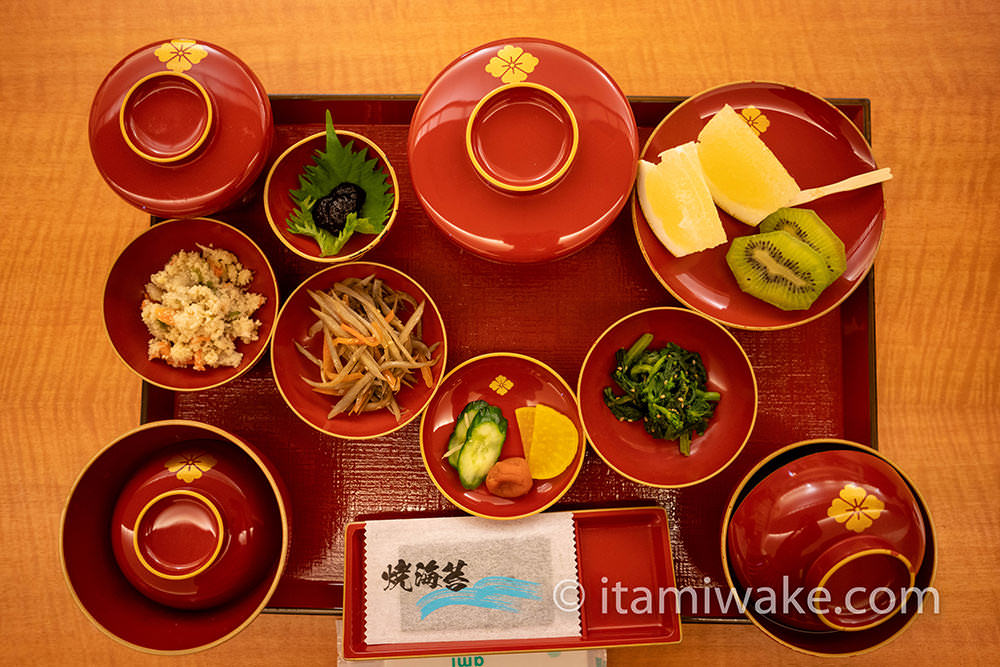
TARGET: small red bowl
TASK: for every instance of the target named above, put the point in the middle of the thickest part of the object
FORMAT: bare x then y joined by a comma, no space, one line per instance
196,526
508,381
843,526
290,366
97,583
284,177
627,447
149,253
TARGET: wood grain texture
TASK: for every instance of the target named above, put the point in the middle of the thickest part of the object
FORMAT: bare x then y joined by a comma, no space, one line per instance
931,69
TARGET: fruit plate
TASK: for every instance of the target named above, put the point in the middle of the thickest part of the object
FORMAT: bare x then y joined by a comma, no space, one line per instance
819,145
620,549
814,381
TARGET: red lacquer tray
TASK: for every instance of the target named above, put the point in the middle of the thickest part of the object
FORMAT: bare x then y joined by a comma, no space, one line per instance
816,380
617,552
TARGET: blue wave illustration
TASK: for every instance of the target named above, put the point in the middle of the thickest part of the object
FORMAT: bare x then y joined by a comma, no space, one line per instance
487,593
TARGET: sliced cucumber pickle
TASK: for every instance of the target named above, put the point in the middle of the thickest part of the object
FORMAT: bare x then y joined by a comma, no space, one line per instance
483,443
462,425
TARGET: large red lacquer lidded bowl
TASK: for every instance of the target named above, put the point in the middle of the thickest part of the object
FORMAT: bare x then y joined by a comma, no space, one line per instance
180,128
199,522
523,150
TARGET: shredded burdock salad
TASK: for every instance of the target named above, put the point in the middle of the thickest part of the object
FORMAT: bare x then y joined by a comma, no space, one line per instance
371,347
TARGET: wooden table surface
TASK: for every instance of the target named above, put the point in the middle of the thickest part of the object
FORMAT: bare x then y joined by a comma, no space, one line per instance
930,68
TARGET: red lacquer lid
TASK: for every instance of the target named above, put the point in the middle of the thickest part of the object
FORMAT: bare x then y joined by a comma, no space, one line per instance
180,128
523,150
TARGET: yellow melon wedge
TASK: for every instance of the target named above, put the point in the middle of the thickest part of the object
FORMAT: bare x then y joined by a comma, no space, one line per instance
677,203
746,179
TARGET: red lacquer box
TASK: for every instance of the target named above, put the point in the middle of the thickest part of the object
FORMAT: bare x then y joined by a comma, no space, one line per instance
621,554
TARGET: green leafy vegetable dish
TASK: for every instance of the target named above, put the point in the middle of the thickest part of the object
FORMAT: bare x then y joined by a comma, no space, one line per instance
342,193
665,388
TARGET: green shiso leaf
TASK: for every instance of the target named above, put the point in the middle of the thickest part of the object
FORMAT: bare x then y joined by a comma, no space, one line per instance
340,164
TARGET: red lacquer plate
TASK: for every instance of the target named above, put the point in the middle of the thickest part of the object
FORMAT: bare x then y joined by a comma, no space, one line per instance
624,547
626,447
148,253
180,128
818,145
542,170
508,381
283,177
290,366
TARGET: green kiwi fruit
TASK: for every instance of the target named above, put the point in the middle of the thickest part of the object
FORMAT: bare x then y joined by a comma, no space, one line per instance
805,225
778,268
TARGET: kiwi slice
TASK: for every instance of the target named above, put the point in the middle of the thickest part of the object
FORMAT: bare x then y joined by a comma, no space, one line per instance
805,225
778,268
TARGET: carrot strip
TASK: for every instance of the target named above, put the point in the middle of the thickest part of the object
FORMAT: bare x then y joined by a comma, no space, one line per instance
361,338
165,315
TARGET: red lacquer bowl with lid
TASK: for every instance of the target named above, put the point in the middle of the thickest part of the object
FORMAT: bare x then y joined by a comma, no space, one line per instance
523,150
213,483
831,546
180,128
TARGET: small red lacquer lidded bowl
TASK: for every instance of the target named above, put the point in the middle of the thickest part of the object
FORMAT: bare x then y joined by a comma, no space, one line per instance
181,128
174,536
843,526
195,526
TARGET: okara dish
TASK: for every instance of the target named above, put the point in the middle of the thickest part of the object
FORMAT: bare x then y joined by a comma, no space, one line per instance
148,253
196,309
